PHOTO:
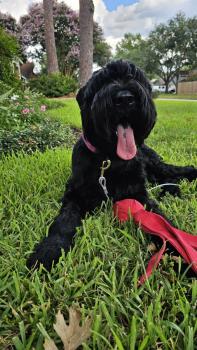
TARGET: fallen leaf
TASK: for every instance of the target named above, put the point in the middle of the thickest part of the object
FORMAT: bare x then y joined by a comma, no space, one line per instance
152,248
50,345
72,335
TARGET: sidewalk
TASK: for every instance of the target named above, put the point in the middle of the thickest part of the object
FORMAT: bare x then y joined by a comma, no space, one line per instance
176,99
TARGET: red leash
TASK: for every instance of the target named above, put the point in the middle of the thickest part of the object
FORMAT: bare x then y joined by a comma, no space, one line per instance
184,243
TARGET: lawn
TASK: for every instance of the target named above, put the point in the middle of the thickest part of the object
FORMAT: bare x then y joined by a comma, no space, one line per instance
179,96
99,275
68,114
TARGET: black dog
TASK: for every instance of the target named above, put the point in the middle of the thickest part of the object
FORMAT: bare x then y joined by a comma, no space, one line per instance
117,116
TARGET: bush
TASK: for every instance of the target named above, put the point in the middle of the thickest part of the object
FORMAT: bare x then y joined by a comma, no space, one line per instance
192,77
24,126
4,88
54,85
18,110
17,86
9,49
155,94
47,134
52,103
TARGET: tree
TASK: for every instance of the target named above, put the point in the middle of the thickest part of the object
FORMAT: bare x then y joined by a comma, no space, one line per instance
86,11
133,48
9,23
52,63
66,28
172,47
102,50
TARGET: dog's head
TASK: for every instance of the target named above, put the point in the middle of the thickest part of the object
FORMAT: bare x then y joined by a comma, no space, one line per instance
117,109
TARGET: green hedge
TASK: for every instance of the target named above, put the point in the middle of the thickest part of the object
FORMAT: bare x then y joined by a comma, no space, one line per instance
9,51
54,85
155,94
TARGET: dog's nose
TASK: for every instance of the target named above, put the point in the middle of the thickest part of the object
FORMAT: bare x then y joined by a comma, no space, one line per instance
124,97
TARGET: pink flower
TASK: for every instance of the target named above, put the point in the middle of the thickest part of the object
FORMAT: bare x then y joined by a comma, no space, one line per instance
25,111
43,108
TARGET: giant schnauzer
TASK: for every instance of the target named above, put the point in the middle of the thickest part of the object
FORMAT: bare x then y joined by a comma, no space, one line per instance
117,114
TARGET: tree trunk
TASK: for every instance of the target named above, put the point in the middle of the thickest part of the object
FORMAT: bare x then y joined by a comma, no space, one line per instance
177,82
166,85
52,63
86,11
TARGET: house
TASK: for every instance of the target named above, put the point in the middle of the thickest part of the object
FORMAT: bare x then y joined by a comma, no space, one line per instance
158,85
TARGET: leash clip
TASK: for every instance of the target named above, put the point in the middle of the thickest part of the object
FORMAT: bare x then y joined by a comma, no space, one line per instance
105,165
102,180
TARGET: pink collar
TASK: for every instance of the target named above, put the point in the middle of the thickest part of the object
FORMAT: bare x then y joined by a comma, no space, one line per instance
88,144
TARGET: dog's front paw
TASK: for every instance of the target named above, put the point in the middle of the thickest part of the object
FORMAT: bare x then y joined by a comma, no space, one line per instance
47,252
173,190
192,173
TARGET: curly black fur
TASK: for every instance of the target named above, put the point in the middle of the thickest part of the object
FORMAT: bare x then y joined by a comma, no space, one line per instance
102,112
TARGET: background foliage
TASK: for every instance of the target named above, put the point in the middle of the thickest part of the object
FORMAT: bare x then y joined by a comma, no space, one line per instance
25,125
66,27
172,47
168,49
54,85
133,48
9,50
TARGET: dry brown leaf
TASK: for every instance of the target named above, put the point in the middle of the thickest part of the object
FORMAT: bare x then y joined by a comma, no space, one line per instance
152,248
50,345
72,335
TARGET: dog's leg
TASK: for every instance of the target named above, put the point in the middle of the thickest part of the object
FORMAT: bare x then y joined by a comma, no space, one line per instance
149,203
160,172
61,234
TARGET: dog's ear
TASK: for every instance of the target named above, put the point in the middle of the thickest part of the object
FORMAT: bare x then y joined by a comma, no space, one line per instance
80,97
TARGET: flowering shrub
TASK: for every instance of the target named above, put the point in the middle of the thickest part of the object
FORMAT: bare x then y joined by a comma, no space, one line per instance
9,23
47,134
24,126
21,110
43,108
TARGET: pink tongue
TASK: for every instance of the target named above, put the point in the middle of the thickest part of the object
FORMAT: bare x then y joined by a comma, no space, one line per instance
126,147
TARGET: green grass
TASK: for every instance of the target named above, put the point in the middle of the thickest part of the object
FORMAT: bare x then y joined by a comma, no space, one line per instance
175,133
68,114
179,96
100,274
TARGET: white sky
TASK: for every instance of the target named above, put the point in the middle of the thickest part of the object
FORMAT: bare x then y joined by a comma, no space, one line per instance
140,17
